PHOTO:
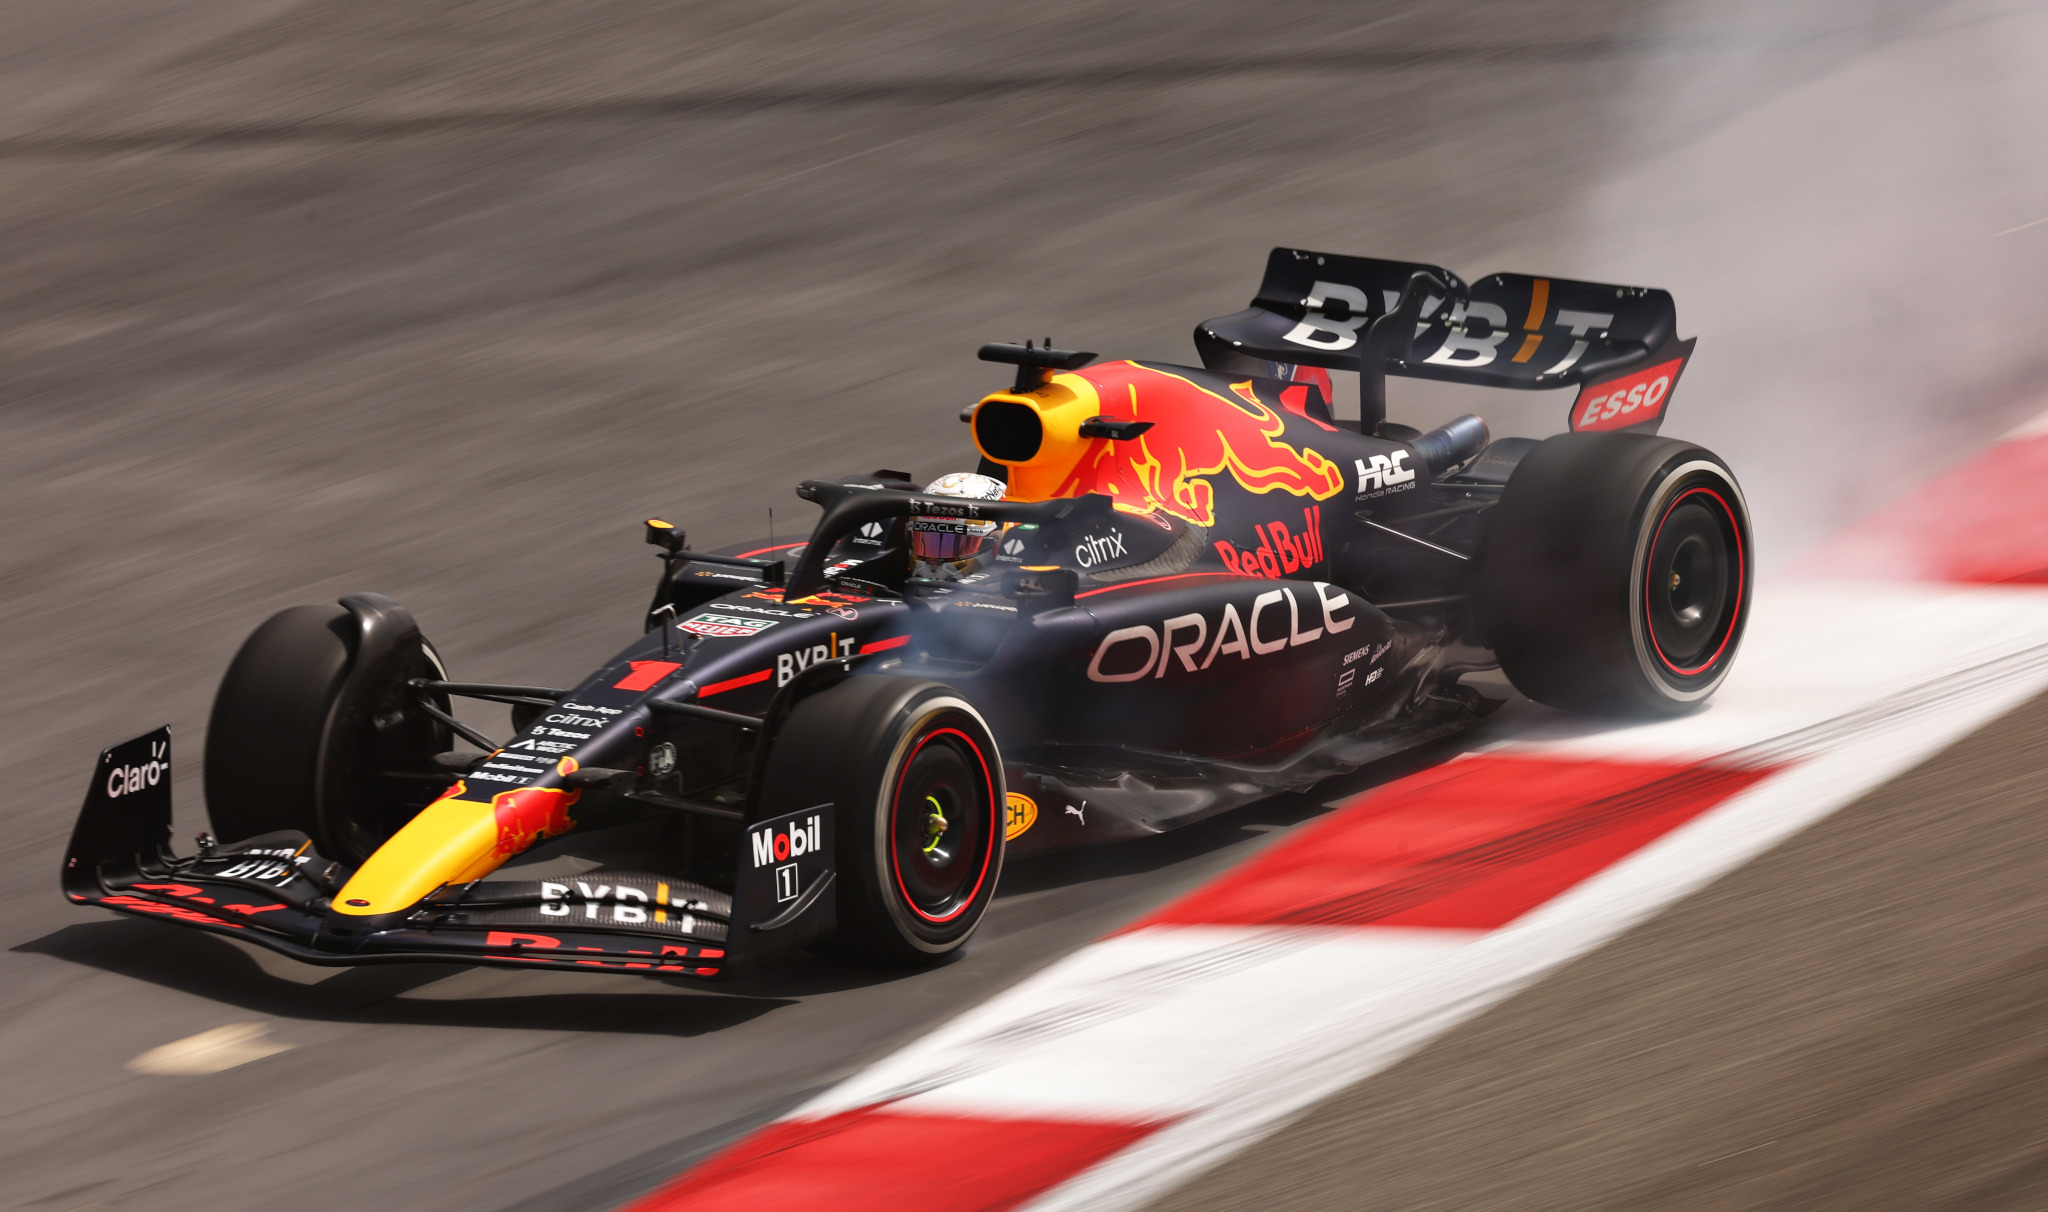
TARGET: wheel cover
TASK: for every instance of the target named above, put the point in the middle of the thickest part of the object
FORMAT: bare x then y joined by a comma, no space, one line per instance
941,825
1693,582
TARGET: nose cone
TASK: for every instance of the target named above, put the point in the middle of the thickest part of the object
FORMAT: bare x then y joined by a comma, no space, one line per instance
454,840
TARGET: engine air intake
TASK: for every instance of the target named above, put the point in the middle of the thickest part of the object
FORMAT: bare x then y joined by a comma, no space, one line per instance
1008,432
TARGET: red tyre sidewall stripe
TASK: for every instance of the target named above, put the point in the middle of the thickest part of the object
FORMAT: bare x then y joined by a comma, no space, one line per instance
896,801
1741,572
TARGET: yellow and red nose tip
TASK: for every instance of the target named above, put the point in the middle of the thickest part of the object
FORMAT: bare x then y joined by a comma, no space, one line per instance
452,841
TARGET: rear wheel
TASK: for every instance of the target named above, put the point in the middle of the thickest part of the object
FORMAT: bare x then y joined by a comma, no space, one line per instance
279,756
917,788
1617,574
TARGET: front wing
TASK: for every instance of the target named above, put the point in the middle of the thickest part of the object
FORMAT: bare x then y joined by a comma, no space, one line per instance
274,891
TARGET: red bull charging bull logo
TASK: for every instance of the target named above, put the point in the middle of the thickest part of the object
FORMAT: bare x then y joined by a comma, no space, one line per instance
1196,434
525,815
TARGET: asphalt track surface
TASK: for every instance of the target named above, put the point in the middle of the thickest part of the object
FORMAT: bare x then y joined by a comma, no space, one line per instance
439,300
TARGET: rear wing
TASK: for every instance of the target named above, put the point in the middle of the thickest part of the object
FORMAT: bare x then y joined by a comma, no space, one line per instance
1506,330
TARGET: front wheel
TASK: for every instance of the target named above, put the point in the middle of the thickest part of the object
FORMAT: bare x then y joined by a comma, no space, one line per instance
1617,573
916,783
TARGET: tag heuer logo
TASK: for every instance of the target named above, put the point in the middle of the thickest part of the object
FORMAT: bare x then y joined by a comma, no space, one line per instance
725,626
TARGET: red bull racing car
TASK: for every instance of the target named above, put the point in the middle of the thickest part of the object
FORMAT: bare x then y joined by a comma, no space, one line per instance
1164,591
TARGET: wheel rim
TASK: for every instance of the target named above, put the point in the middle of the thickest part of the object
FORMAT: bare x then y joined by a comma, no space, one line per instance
940,825
1693,582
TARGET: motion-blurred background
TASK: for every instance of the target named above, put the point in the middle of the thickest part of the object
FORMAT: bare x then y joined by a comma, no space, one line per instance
440,298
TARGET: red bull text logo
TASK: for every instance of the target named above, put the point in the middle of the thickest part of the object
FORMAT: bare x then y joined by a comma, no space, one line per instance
1197,434
1280,552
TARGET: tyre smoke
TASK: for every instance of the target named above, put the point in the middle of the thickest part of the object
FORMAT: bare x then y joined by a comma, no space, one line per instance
1837,195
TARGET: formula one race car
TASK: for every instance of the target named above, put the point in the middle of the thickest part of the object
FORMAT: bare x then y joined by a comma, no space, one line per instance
1167,590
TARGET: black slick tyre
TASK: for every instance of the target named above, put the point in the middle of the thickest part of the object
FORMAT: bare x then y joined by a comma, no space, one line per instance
279,757
1617,574
916,785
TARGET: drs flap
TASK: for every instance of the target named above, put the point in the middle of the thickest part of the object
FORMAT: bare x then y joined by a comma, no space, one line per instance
1504,330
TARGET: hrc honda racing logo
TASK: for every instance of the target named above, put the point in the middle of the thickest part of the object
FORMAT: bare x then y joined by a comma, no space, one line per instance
1382,474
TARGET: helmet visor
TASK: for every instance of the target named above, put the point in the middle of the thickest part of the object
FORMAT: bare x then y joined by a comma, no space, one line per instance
947,540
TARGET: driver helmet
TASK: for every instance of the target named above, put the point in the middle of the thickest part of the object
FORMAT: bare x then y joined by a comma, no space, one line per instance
951,540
